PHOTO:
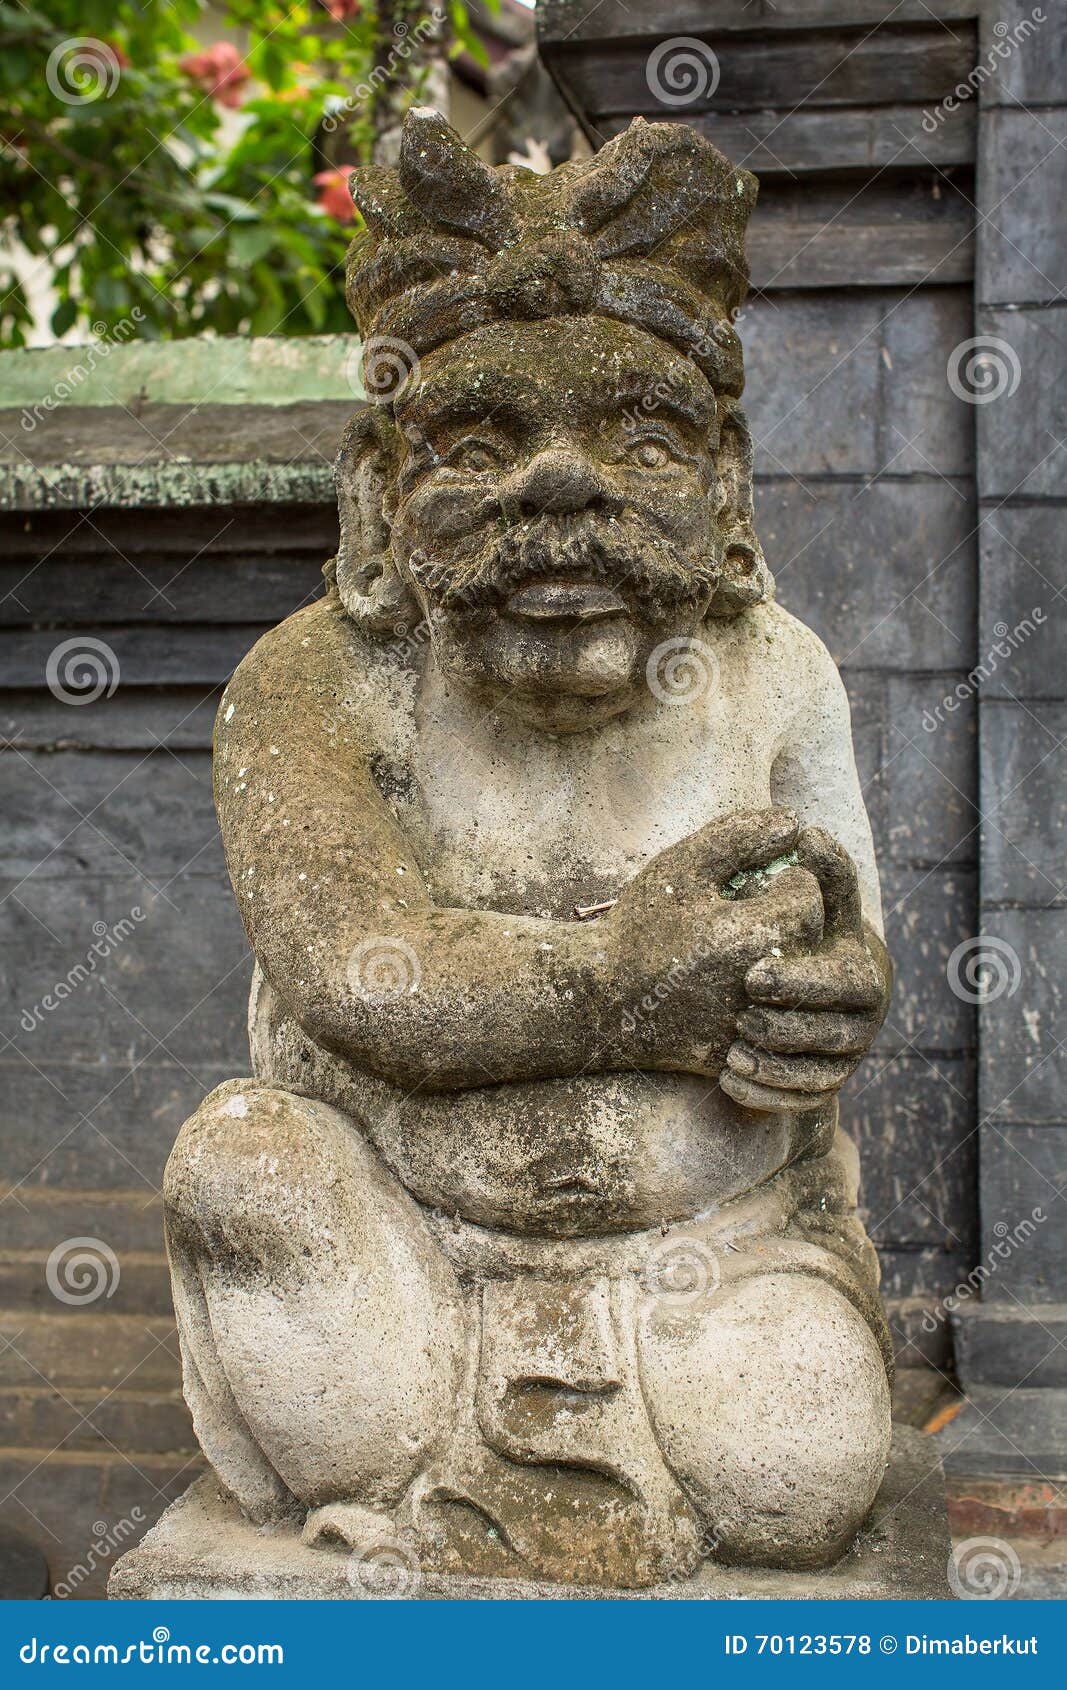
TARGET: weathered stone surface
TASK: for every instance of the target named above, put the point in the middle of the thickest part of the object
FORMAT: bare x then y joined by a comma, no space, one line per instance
1019,450
1024,772
911,424
999,1343
1023,574
1025,163
931,755
997,1431
1023,1175
203,1548
920,1107
1024,1064
912,614
532,1240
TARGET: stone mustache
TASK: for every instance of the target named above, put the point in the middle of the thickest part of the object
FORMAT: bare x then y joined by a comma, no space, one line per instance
532,1242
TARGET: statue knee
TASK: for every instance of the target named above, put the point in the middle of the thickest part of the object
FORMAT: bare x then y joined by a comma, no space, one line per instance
771,1402
252,1171
317,1269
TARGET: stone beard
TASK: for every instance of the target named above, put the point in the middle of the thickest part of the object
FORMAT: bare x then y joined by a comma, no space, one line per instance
531,1244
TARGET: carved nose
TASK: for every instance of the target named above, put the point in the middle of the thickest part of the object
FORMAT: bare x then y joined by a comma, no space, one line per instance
557,481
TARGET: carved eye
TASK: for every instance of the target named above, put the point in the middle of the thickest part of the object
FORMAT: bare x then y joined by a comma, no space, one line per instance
650,452
475,455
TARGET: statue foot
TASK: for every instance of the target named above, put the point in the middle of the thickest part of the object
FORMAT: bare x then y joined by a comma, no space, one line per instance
347,1522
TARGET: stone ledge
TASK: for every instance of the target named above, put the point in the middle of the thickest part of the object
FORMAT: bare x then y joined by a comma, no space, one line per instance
161,455
1019,1432
204,1549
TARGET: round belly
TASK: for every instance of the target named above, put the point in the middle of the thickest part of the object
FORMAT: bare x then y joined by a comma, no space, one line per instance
594,1154
589,1155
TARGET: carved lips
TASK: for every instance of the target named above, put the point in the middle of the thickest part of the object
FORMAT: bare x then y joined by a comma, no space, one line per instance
565,601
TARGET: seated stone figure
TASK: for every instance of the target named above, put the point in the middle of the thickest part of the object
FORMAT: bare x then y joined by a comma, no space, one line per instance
532,1242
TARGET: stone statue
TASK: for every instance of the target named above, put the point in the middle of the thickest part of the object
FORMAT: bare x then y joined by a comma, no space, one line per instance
533,1240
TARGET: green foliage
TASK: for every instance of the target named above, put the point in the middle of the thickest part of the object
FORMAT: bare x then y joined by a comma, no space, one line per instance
124,175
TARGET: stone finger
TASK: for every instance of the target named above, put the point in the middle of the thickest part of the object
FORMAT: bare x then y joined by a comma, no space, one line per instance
791,1073
806,1031
745,841
815,982
835,871
754,1096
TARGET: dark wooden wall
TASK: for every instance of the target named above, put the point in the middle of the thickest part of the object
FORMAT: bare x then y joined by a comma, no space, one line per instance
108,812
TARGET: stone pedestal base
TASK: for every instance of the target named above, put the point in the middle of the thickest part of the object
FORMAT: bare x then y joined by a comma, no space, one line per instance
203,1548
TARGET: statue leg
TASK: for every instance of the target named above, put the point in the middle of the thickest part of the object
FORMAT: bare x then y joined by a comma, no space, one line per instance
770,1401
321,1327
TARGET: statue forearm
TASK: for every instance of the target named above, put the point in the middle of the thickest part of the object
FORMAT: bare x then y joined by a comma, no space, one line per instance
448,999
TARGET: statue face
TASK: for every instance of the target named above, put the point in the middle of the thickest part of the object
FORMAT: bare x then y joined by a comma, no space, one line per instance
555,511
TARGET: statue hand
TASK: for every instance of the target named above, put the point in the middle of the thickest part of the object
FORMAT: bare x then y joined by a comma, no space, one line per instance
684,944
813,1017
694,873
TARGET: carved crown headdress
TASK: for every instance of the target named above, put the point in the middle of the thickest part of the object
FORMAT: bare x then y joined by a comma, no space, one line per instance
650,231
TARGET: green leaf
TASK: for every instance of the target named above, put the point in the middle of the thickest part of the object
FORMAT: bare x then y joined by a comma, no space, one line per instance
250,241
112,292
238,211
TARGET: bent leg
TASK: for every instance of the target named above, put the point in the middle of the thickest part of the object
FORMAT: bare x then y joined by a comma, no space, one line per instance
770,1401
322,1329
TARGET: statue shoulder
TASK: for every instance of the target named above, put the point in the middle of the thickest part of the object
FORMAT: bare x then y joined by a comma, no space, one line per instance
769,638
796,651
317,668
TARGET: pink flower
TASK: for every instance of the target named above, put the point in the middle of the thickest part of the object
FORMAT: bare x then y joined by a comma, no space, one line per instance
220,71
334,197
339,10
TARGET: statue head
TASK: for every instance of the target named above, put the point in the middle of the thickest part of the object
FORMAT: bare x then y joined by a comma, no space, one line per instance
553,471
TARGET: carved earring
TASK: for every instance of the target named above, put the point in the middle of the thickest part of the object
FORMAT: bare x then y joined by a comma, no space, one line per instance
364,572
745,579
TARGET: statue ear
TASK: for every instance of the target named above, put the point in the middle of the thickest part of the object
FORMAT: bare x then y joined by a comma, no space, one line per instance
371,590
745,578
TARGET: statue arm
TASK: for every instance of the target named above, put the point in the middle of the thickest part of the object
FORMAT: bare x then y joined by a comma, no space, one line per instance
336,907
347,933
812,1018
815,774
